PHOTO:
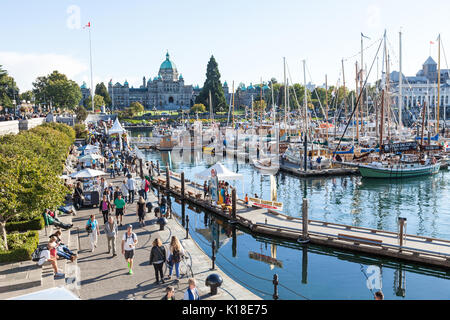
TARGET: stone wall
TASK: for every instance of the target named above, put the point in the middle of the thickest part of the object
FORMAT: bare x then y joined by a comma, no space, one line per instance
14,127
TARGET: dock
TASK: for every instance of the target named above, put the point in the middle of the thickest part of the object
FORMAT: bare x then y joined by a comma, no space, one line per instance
338,171
260,221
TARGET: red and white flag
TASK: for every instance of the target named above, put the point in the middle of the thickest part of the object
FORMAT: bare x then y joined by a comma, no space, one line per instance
431,42
87,26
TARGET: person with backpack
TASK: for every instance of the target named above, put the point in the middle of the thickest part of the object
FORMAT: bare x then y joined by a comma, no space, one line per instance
141,211
157,259
176,253
129,242
104,207
93,231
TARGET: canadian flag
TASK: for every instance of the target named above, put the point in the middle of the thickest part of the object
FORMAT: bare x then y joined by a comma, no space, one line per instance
87,26
431,42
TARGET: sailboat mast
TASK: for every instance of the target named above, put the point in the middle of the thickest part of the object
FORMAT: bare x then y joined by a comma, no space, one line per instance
345,92
232,112
305,153
357,105
400,86
211,107
285,95
439,85
273,105
326,104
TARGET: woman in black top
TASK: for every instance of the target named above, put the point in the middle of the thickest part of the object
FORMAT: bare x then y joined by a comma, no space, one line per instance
141,210
78,196
157,259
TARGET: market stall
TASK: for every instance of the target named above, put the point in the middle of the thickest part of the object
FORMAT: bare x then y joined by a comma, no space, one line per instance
90,185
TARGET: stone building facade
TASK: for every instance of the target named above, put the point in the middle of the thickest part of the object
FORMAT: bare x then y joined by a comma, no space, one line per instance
167,91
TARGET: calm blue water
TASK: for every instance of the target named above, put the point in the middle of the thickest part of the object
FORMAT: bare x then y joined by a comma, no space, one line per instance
317,272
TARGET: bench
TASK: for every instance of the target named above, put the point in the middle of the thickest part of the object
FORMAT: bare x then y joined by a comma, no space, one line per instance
359,239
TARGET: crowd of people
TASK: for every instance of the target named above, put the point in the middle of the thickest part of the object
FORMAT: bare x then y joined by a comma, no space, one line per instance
114,204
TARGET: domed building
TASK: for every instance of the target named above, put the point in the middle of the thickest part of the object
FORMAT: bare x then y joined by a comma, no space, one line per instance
167,91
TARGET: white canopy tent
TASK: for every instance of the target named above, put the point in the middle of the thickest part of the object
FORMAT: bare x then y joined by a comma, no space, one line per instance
90,157
49,294
223,173
87,173
116,128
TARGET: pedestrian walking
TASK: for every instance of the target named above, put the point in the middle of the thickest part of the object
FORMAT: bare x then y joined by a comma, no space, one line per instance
78,196
176,253
157,259
93,231
111,235
140,210
120,204
170,293
192,292
105,207
129,243
124,189
131,185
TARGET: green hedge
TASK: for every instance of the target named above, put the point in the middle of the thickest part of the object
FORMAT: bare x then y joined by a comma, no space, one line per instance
22,226
21,246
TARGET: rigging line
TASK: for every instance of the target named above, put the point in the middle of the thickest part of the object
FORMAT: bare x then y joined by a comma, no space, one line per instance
359,98
359,53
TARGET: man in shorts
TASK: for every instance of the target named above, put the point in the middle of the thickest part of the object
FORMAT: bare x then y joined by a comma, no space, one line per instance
120,204
129,242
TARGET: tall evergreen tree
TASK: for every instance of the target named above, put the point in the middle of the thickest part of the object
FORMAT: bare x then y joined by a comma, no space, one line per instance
8,89
100,89
213,84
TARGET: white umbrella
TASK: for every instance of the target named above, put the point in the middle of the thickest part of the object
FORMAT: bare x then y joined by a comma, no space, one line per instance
49,294
87,173
90,157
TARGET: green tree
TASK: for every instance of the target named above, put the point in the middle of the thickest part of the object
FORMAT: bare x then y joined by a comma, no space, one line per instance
259,105
8,89
57,89
198,108
136,108
213,85
27,96
100,89
98,102
80,131
81,114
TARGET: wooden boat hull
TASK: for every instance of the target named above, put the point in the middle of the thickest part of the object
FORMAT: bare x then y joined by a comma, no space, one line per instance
398,173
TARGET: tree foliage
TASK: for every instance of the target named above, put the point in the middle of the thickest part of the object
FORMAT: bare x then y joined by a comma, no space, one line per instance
198,108
8,89
30,165
57,89
100,89
81,114
98,102
213,85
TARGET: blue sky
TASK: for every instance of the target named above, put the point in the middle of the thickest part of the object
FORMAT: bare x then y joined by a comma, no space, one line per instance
248,38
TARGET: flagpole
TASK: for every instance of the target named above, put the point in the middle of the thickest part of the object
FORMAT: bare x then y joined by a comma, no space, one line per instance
92,79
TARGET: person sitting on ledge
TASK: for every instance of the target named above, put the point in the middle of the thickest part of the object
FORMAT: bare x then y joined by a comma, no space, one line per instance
62,250
52,220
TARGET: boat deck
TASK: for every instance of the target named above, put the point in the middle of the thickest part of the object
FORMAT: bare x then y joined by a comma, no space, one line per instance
424,250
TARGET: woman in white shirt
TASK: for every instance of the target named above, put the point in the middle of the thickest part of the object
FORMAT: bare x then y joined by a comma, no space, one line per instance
191,293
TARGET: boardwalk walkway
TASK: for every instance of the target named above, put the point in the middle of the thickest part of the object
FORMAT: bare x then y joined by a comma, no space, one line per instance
104,277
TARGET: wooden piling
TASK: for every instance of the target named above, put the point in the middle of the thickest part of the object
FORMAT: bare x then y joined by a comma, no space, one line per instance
305,219
182,185
233,203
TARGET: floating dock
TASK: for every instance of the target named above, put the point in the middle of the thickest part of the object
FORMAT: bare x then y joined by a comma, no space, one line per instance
418,249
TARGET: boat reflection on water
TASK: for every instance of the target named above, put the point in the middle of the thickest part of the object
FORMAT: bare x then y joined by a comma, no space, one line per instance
306,270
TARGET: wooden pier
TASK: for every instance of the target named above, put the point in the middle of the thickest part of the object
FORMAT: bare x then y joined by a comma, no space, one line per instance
423,250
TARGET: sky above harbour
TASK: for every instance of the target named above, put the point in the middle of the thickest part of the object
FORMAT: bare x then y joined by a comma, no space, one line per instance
248,38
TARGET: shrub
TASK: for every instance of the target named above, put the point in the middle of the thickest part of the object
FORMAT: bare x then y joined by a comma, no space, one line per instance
35,224
80,131
21,247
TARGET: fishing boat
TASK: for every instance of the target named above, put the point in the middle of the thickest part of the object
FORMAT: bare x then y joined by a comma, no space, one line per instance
267,165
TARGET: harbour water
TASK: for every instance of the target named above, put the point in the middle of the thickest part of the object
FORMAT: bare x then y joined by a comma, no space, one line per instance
322,273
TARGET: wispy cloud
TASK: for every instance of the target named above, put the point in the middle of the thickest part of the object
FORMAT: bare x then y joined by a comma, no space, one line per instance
26,67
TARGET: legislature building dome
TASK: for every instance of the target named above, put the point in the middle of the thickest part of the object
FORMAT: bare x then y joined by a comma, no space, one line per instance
168,70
